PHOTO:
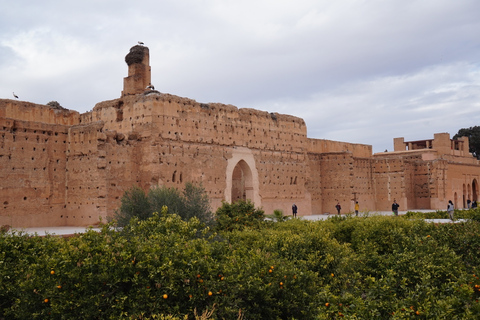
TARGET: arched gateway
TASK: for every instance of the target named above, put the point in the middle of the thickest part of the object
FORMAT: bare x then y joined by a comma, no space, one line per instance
242,177
242,186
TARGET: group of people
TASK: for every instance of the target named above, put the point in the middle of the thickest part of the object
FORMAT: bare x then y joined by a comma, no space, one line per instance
395,206
471,204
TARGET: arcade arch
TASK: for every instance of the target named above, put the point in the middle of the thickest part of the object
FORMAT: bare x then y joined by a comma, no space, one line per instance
474,190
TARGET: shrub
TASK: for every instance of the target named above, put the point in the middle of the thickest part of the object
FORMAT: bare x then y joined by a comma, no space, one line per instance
164,268
238,216
277,216
193,202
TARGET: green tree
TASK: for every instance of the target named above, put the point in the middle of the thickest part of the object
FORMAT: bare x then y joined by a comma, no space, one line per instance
473,134
192,202
135,203
196,203
239,215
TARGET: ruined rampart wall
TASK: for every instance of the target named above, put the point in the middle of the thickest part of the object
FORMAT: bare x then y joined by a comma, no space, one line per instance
32,173
389,180
328,146
313,182
341,177
337,171
26,111
175,140
461,184
363,189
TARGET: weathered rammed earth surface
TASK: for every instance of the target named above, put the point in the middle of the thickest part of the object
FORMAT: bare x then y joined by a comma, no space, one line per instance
62,168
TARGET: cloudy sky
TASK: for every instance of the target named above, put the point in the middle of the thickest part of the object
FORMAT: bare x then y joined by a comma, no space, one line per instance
362,71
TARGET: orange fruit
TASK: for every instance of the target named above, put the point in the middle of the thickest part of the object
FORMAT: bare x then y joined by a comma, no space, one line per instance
327,304
165,296
59,287
46,300
52,272
270,270
281,283
222,278
210,293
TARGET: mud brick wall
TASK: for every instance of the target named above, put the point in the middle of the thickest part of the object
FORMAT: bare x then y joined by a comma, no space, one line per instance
389,178
32,179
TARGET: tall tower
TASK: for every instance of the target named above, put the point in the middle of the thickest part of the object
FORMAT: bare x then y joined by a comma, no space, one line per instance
139,71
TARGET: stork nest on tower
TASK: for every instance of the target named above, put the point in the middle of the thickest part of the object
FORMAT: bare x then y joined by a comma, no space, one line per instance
135,55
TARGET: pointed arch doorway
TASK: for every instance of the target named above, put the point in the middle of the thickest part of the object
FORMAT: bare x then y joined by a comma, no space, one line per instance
242,182
242,177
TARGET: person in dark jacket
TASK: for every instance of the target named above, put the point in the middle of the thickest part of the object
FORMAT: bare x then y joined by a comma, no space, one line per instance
395,207
338,207
294,210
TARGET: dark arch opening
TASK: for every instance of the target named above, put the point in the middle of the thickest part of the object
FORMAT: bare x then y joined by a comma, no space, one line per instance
242,182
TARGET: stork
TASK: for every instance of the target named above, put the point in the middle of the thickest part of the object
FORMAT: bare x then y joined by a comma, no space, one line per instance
14,95
141,43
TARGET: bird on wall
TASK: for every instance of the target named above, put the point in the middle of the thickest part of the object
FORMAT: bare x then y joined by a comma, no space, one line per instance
141,43
14,95
151,87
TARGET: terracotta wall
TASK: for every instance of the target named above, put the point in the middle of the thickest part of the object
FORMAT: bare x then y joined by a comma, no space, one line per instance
32,175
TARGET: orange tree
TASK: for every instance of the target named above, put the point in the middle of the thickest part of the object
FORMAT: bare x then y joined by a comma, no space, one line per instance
407,269
158,266
239,216
354,268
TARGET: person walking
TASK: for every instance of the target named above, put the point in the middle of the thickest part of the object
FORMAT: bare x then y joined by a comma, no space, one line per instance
294,210
357,207
450,209
395,207
338,207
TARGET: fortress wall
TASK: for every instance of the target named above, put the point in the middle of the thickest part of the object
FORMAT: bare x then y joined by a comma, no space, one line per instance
461,184
32,173
26,111
102,165
177,118
176,163
328,146
86,184
438,185
282,181
337,172
389,182
423,186
313,183
178,140
363,190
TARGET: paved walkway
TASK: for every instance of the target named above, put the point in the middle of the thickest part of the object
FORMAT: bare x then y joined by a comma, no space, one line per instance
41,231
382,213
